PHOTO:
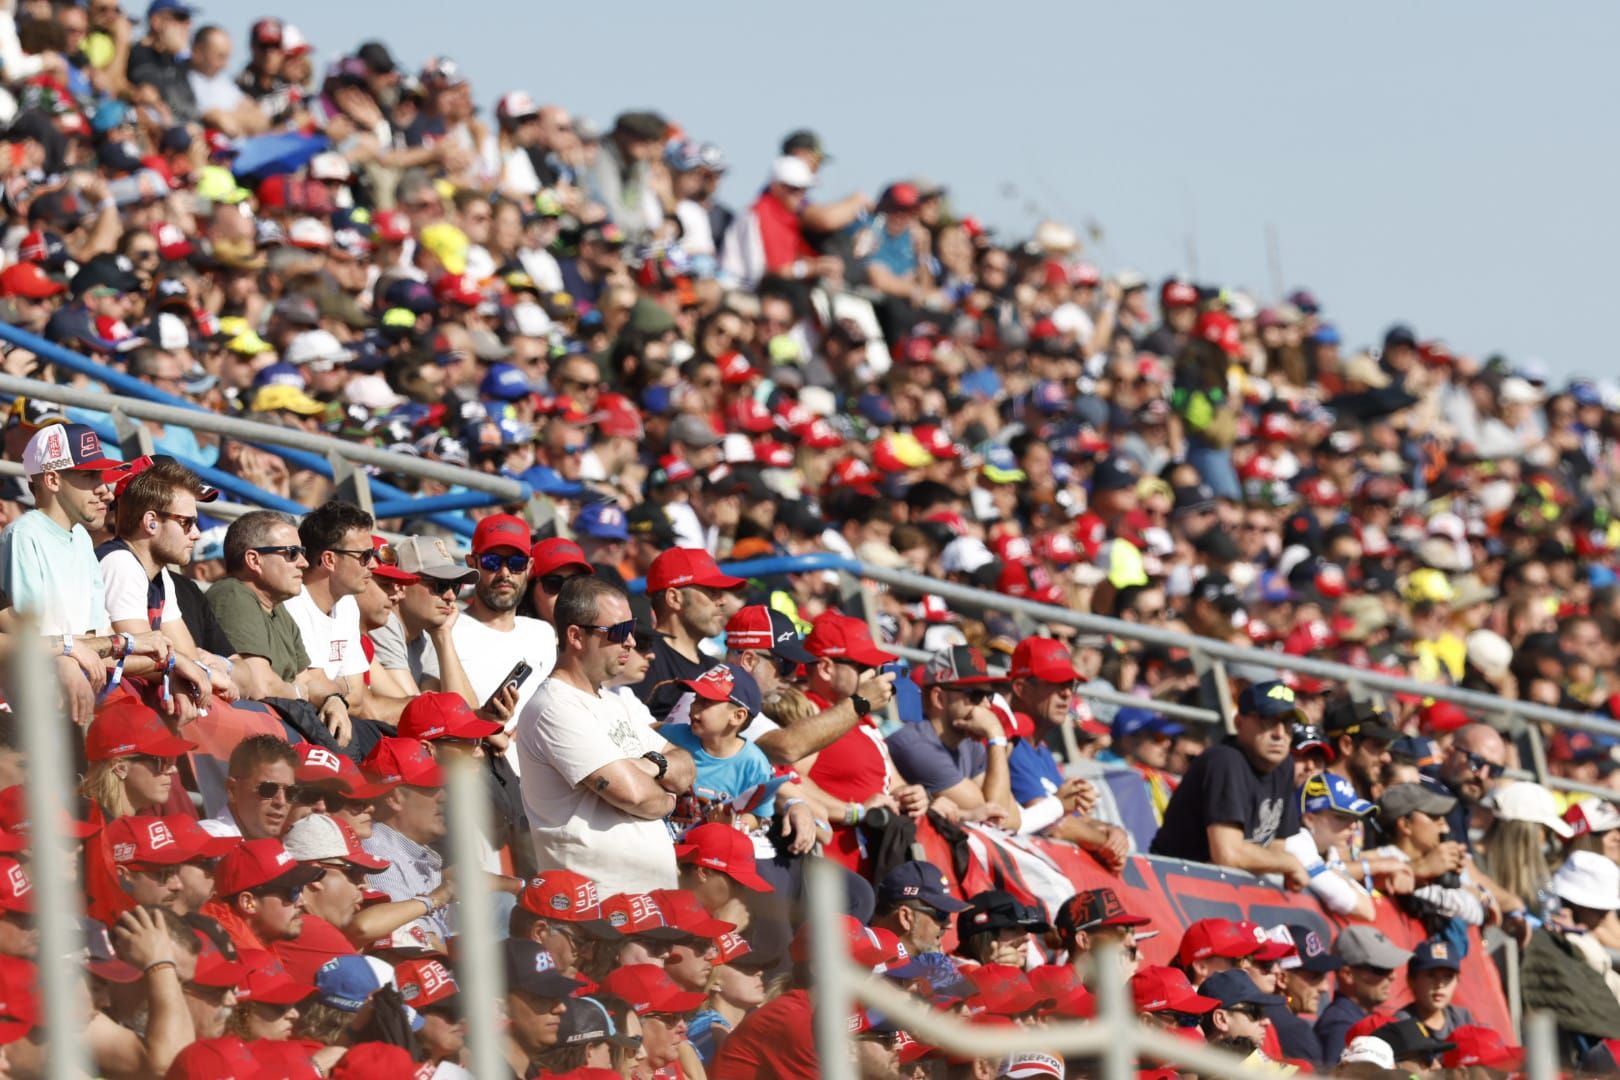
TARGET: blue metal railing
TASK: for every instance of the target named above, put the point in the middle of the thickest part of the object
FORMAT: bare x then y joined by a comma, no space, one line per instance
394,501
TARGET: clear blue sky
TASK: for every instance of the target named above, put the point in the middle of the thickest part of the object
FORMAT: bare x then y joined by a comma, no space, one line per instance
1447,164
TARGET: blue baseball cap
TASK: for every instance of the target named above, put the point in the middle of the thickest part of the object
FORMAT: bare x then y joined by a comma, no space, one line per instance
503,382
1234,987
175,6
1271,700
922,882
1435,955
1131,720
946,983
280,374
1330,791
347,982
602,521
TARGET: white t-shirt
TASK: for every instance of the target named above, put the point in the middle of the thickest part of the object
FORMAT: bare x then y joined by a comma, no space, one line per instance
488,656
563,736
127,583
332,641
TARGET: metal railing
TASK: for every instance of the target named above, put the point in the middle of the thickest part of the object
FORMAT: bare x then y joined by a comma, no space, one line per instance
1216,654
332,458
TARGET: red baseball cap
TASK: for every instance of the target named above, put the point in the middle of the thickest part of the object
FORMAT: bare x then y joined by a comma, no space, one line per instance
16,891
1483,1047
1178,294
173,244
389,569
267,980
396,760
617,417
863,944
681,907
317,765
214,968
682,567
1215,937
500,531
735,368
1161,989
19,1005
424,982
258,863
199,841
938,442
562,895
1046,659
748,415
731,947
14,820
836,636
459,289
128,727
442,715
817,434
30,281
1442,716
391,226
318,943
649,989
146,840
210,1059
558,553
370,1060
1004,990
639,915
1269,949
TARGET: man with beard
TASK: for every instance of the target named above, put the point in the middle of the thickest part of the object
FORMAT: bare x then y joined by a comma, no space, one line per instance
1361,737
1468,774
690,603
596,783
1235,806
490,636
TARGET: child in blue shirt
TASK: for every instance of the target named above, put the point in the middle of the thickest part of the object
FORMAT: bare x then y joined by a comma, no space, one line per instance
726,699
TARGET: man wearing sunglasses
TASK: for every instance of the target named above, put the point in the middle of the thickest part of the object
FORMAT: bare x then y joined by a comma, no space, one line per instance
259,894
1363,985
689,599
596,782
416,646
490,636
958,751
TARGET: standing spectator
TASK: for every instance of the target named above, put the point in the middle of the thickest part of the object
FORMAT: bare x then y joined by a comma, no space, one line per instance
1363,985
156,71
219,101
1412,819
490,636
1361,737
1329,811
725,700
1235,806
1095,919
622,179
596,785
689,596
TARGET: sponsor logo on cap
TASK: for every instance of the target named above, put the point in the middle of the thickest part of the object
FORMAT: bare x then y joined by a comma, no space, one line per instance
283,859
617,919
560,902
911,890
18,882
158,835
1438,950
123,852
543,961
1280,693
322,758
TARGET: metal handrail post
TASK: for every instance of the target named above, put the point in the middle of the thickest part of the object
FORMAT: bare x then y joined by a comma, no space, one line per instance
831,996
57,906
478,964
1541,1046
1114,1014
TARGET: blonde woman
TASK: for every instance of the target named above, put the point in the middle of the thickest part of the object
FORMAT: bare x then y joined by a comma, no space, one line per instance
1514,851
736,988
133,760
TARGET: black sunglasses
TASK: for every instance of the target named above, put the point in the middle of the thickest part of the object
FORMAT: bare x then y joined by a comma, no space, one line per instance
491,563
978,695
159,765
1487,770
290,552
617,634
553,583
270,789
357,875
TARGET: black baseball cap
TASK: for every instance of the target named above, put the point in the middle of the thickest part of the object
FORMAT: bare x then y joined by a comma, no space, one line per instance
531,968
1234,987
1093,909
1219,590
1314,954
922,882
1358,718
804,140
994,910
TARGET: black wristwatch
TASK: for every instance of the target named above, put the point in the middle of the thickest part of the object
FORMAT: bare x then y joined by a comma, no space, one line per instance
659,760
863,708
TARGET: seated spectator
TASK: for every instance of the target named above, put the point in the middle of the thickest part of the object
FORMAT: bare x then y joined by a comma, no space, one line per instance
489,635
1093,920
1303,977
1237,1022
417,641
409,818
595,785
259,787
1210,946
258,894
1362,986
1413,819
958,751
535,993
719,869
1514,848
558,910
689,597
336,538
915,904
156,71
132,756
1235,805
995,927
663,1007
1432,976
1361,737
736,988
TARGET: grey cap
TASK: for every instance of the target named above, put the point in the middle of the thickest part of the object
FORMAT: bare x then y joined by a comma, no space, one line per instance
693,431
1402,799
1366,946
429,556
487,347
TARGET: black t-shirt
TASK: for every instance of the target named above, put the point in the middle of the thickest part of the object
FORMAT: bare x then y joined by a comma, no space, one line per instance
661,689
1221,787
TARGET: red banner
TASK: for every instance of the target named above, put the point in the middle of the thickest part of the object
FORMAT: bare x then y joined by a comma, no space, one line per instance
1175,894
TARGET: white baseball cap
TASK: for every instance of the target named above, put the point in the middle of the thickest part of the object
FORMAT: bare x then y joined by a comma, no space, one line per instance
792,172
1526,801
314,346
330,165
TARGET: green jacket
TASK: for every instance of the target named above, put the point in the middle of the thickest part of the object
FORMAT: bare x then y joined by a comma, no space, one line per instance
1554,977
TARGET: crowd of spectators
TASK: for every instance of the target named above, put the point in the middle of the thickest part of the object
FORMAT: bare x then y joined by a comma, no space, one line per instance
265,708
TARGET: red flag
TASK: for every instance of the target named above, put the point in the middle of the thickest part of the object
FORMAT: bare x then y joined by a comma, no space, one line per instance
105,898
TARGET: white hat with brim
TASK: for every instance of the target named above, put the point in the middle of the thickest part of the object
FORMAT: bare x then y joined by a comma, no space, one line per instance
1589,880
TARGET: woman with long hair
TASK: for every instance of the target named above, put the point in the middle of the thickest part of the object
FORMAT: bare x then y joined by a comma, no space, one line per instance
736,988
1515,848
133,760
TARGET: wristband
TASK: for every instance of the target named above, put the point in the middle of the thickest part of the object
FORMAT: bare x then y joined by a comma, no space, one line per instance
128,643
166,692
996,740
791,803
67,644
154,965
